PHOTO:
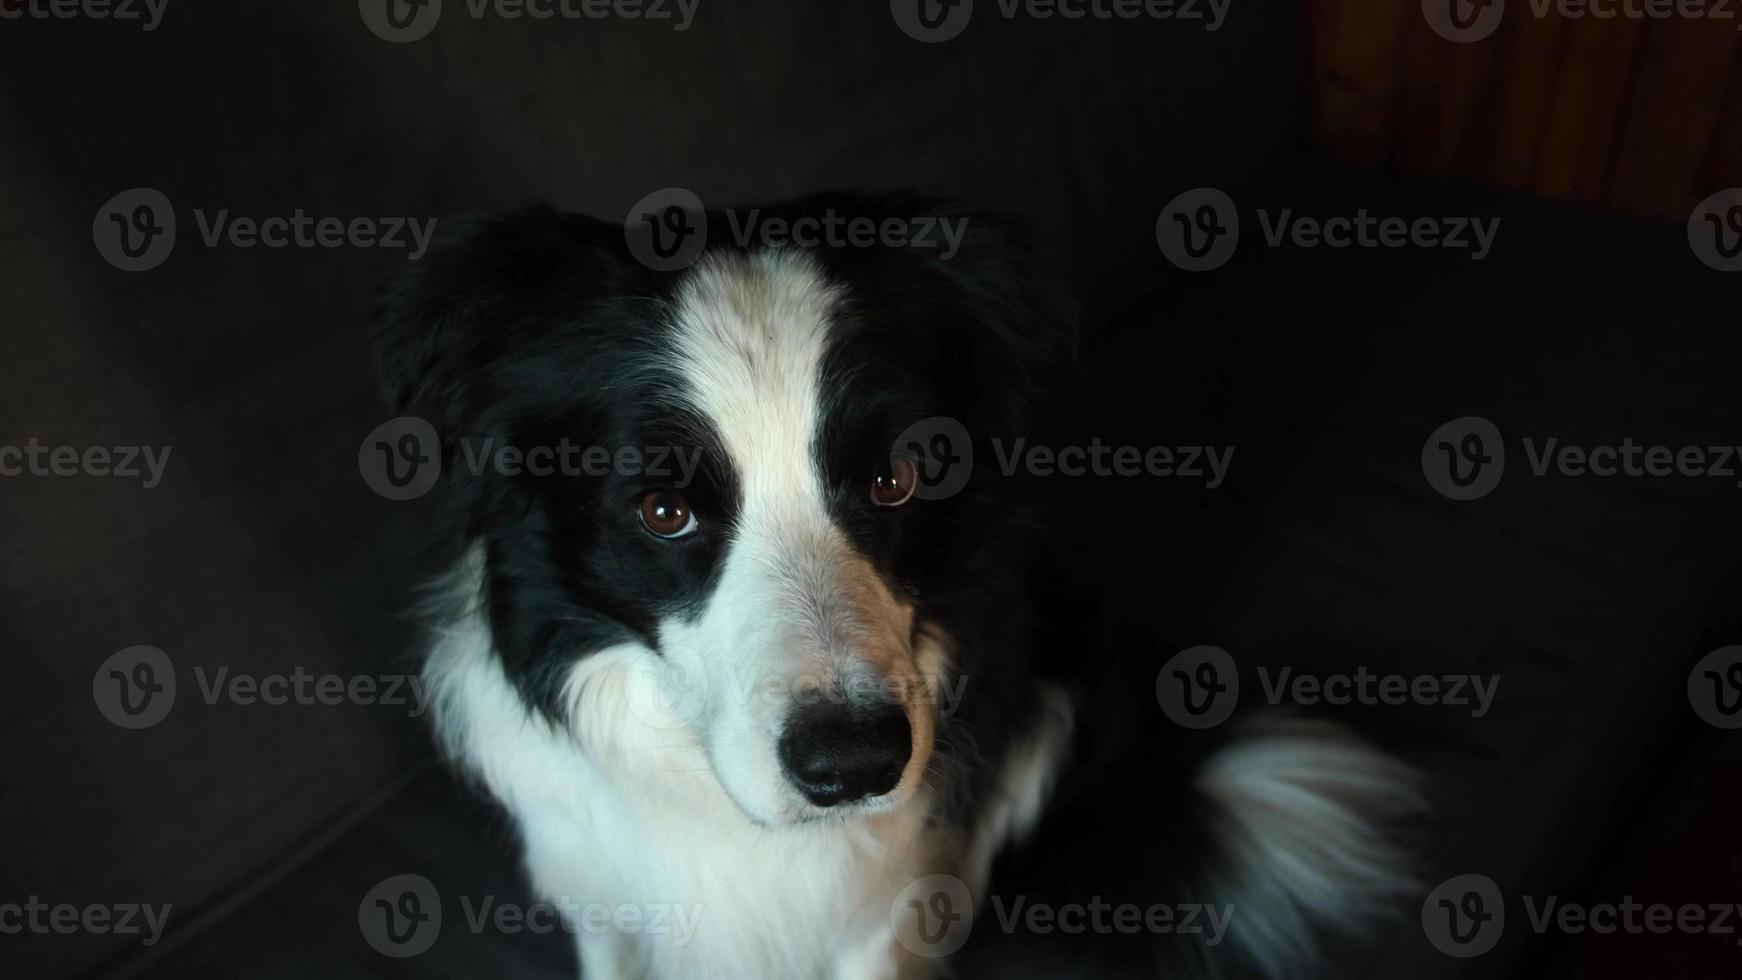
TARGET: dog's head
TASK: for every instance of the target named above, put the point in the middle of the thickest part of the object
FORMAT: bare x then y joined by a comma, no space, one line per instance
714,506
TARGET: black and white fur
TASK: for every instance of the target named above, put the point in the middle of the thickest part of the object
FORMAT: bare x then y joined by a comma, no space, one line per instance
625,696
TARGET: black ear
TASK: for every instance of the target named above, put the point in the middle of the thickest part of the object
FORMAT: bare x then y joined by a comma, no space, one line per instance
486,286
972,286
1024,312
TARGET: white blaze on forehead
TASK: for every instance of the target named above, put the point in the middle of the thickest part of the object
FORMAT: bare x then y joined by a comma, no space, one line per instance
795,604
752,331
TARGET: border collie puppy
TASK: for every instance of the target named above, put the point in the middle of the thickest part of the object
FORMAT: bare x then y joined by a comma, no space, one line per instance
722,652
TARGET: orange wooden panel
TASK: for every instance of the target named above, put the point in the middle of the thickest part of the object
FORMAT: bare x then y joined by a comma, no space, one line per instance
1676,96
1521,106
1721,164
1354,73
1641,115
1584,118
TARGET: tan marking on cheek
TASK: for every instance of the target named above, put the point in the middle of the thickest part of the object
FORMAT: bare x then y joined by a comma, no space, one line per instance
924,674
923,720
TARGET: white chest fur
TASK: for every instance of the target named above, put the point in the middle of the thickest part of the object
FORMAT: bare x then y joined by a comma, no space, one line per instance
626,831
734,900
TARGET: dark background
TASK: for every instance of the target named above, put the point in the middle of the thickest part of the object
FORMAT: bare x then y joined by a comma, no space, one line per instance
263,550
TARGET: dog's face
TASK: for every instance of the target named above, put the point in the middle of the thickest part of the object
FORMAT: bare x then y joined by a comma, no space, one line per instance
718,552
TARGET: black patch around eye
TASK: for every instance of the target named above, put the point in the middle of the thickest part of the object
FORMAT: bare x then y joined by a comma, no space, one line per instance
573,569
910,344
869,400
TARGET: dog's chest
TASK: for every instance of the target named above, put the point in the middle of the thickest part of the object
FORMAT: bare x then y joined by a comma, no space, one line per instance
705,893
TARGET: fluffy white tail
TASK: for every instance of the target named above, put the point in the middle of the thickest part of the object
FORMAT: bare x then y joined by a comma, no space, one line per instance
1306,816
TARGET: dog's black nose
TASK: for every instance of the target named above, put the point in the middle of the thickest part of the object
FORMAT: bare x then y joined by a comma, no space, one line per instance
837,754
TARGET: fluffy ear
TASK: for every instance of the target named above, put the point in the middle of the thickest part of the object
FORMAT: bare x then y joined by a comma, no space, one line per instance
1009,308
1018,313
1026,315
439,324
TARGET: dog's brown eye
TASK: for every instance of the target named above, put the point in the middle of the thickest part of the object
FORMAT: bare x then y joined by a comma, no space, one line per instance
894,485
667,514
